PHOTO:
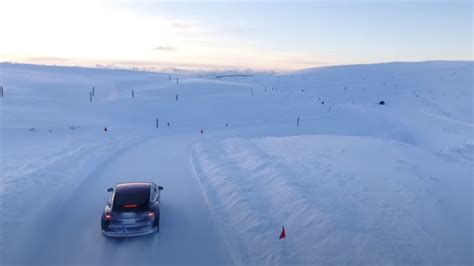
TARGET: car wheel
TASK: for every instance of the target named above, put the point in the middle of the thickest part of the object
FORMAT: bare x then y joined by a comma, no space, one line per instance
157,223
102,222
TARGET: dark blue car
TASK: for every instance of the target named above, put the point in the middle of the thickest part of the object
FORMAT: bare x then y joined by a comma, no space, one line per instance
133,210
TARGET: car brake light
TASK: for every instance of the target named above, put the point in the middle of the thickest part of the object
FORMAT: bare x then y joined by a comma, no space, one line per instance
108,217
151,215
130,205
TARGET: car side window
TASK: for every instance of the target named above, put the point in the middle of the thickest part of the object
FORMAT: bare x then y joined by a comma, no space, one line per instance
110,199
153,192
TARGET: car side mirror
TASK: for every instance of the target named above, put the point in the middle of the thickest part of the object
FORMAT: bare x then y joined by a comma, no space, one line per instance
110,189
160,188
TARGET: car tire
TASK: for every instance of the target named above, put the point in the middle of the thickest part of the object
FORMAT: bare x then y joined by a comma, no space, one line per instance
102,222
157,223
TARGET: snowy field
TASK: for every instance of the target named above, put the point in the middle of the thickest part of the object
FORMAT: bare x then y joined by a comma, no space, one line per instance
353,182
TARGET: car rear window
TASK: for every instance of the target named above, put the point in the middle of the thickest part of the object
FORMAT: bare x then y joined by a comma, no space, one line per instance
131,198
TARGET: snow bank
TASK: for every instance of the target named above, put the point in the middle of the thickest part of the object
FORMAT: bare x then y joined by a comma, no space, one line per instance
342,200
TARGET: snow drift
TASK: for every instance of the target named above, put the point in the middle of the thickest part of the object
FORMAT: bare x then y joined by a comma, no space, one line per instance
342,200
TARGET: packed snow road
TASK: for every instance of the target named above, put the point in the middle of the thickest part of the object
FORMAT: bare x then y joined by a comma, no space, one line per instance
69,232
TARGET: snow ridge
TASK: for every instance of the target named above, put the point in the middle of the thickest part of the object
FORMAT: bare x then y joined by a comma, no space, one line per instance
337,210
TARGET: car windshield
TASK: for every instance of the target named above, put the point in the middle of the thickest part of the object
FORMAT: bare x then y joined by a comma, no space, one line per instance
132,197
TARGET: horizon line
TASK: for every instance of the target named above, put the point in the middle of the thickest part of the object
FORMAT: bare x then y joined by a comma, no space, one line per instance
210,69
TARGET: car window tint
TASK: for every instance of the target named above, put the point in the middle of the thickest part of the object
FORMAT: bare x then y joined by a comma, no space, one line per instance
131,198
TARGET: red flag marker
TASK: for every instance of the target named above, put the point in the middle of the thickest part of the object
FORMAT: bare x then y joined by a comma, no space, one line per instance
283,233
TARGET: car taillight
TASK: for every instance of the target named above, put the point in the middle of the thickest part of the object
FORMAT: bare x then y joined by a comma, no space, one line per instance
151,215
108,217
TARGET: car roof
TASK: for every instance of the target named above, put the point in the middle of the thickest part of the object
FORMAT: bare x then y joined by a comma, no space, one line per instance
134,184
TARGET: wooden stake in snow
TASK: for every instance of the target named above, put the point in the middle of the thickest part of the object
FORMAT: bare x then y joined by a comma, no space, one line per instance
298,121
93,91
176,97
90,96
1,91
177,81
133,94
157,123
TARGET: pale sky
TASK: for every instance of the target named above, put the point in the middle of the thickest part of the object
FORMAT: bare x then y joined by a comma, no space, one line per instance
260,35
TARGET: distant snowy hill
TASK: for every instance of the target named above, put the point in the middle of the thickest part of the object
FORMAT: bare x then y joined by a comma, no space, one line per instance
352,180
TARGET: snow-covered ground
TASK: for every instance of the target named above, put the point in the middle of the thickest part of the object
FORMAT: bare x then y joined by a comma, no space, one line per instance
355,183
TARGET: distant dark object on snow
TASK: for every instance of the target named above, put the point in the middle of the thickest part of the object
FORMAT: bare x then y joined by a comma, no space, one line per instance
32,130
382,103
234,76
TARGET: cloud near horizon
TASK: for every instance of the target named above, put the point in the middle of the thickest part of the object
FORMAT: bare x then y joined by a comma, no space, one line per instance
166,48
182,25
